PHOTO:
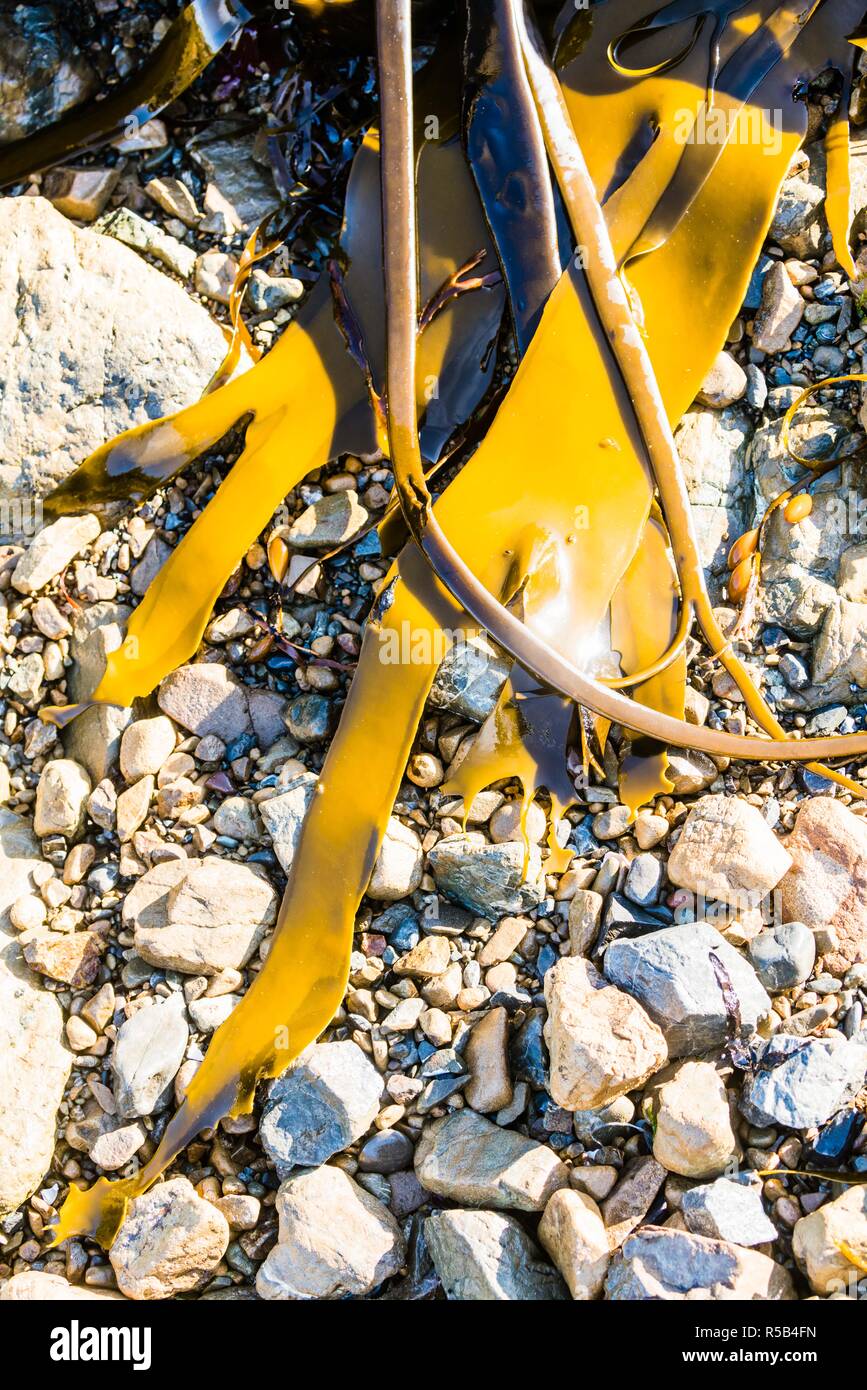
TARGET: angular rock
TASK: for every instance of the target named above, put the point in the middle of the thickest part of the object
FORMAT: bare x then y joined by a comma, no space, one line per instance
43,73
169,1243
51,550
71,958
206,699
398,868
200,915
61,799
781,311
693,1134
335,1240
93,738
665,1265
468,1159
470,679
487,879
574,1235
601,1042
729,1210
818,1241
487,1057
801,1082
783,955
678,975
712,445
727,851
483,1256
85,322
148,1051
724,384
827,883
632,1198
331,521
284,816
325,1101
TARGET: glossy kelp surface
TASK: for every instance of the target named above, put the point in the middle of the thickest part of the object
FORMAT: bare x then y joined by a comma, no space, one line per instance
564,447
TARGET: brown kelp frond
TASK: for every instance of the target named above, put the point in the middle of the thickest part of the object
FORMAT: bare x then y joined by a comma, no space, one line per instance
199,33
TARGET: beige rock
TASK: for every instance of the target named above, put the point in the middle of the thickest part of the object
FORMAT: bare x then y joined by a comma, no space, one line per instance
72,958
335,1240
132,807
601,1042
174,198
36,1286
169,1243
818,1241
504,941
468,1159
505,823
80,193
650,830
442,991
398,868
596,1179
573,1233
51,550
852,575
727,851
487,1057
827,883
200,915
330,521
585,914
694,1135
145,745
724,384
428,959
61,799
781,311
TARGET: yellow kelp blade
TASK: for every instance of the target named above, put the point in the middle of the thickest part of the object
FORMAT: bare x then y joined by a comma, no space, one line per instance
644,620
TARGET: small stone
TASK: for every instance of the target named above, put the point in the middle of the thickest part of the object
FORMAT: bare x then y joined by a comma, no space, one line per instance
724,384
650,830
676,974
727,851
174,198
149,1050
783,956
51,550
208,1014
467,1158
38,1286
781,311
690,772
268,293
398,868
694,1135
505,941
662,1264
326,1100
284,816
61,799
596,1179
148,239
431,957
114,1147
102,805
470,679
132,808
387,1152
632,1198
79,1034
585,914
98,1011
487,1057
610,825
145,745
335,1240
206,699
602,1043
309,718
729,1210
237,818
216,272
331,521
80,193
240,1210
801,1082
27,913
436,1026
72,958
644,879
169,1242
505,823
404,1016
483,1256
487,879
821,1243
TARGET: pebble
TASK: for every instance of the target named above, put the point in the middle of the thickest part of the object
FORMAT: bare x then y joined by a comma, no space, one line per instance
672,974
487,879
783,956
485,1256
38,1286
51,550
487,1058
724,384
632,1198
326,1100
169,1242
61,799
505,823
335,1240
389,1151
284,816
781,311
650,830
601,1041
431,957
729,1210
644,879
505,941
71,958
206,699
585,915
144,746
332,520
148,1051
309,718
470,1160
693,1133
726,851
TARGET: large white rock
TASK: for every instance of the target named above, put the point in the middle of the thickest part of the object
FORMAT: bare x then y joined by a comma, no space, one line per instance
728,851
92,341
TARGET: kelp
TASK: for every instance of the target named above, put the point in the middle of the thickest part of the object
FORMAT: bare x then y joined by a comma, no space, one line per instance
567,533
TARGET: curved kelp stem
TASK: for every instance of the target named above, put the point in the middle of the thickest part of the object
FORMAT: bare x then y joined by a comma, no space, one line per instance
303,980
195,37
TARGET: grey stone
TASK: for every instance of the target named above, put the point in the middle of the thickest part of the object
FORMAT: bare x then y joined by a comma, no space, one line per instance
470,679
724,384
797,213
147,1054
643,880
781,311
230,162
665,1265
484,1256
93,738
712,445
331,521
335,1240
51,550
94,340
729,1210
783,955
801,1082
469,1159
42,72
488,879
671,973
309,718
206,699
326,1100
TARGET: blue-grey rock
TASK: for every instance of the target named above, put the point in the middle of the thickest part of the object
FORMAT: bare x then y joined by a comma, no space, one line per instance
308,718
488,879
485,1256
661,1265
528,1053
783,955
470,679
389,1151
729,1209
325,1101
801,1082
672,974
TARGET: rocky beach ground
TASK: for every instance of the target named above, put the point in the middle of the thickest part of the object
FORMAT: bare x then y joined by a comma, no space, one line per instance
602,1083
